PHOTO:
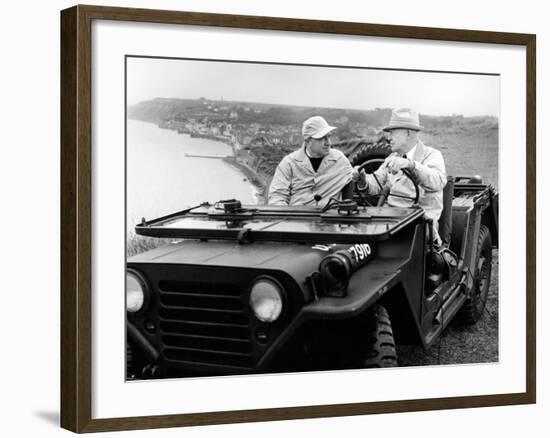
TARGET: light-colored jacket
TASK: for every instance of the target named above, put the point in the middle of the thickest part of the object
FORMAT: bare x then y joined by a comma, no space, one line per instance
296,183
431,178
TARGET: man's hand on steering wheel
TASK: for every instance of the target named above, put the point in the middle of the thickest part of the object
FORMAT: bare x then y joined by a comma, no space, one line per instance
395,163
359,175
356,175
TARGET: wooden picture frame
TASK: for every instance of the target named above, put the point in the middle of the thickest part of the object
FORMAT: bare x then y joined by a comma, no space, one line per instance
76,217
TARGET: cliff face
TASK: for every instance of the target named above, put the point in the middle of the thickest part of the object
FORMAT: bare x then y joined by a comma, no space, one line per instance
263,160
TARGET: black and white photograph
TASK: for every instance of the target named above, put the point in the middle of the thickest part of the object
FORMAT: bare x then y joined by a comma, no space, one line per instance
305,218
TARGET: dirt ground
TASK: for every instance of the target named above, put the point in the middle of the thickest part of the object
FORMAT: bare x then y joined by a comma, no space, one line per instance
459,344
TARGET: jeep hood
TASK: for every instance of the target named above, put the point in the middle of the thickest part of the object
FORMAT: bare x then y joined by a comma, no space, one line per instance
298,260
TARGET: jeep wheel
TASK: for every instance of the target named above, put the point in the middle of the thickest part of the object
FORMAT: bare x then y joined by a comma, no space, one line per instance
473,307
370,155
380,346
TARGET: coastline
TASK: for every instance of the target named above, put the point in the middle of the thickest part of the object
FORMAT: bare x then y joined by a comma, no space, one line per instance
259,185
240,162
258,181
213,137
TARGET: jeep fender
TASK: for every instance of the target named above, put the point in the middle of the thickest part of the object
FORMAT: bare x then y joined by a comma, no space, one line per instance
366,287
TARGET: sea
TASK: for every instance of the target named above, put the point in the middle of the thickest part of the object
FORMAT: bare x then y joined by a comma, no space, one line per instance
161,177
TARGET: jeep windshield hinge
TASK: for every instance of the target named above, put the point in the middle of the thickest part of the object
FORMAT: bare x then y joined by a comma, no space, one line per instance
244,236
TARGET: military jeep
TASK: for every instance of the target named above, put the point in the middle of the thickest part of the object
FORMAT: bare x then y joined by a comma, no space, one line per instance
250,289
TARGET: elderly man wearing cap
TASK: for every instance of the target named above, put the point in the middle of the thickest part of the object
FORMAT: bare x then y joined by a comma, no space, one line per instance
424,163
314,173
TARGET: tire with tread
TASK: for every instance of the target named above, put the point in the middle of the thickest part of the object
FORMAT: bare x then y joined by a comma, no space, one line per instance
379,349
370,151
473,307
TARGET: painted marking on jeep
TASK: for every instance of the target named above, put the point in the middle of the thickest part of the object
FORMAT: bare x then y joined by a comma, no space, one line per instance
360,251
321,247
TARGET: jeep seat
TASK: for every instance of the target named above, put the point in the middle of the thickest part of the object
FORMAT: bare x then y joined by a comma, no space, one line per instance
446,219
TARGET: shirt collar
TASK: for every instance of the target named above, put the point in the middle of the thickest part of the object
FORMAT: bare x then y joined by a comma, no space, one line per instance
410,154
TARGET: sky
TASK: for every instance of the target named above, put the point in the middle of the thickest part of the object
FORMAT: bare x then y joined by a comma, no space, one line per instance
430,93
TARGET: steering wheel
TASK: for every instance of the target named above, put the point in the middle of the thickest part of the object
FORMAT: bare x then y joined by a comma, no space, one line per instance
370,166
386,190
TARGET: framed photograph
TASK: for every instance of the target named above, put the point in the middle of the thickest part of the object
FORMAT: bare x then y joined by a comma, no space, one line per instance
268,218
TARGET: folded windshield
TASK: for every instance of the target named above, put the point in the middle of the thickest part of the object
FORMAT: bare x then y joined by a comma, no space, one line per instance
288,223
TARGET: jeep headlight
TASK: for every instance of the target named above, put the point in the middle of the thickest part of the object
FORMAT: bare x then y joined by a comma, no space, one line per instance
135,292
266,299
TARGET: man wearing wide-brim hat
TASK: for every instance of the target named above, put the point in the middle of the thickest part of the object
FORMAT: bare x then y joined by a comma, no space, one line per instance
313,174
424,163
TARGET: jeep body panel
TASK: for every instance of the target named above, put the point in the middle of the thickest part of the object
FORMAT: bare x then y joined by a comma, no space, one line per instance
366,287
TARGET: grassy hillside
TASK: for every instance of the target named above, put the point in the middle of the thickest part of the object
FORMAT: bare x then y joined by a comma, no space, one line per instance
469,151
159,109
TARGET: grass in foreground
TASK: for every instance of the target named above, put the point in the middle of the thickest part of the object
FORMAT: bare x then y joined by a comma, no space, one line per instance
137,244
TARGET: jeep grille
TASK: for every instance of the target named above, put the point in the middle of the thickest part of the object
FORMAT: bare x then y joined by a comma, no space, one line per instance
205,325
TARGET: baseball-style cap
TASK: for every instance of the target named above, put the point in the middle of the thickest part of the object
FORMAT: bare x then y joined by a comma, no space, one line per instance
316,127
404,118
